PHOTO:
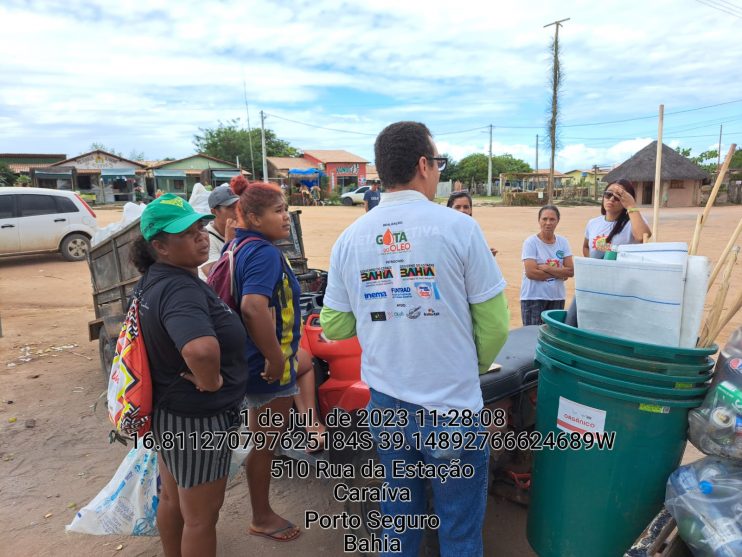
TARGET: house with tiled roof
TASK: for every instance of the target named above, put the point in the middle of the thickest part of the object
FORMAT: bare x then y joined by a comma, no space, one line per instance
23,163
179,176
345,170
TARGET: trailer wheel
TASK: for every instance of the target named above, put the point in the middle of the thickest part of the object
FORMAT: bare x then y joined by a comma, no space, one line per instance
106,349
429,546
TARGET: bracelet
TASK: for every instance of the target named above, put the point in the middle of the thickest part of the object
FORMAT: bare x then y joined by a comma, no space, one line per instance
633,210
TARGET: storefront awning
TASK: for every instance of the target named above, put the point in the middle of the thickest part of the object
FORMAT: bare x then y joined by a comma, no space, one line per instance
53,174
122,172
169,174
225,173
305,172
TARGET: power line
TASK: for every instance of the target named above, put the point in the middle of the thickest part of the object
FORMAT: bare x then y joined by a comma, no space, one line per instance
320,127
719,8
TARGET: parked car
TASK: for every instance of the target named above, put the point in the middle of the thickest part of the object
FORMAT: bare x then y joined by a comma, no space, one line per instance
38,220
354,197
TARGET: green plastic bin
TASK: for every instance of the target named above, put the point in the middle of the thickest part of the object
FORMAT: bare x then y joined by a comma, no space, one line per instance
704,372
690,385
594,503
610,345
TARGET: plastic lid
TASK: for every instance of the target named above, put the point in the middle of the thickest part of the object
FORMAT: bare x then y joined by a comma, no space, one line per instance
705,487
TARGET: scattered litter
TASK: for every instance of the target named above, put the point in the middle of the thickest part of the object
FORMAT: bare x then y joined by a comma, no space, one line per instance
10,402
119,547
78,389
11,364
30,423
71,505
48,515
12,420
35,376
8,457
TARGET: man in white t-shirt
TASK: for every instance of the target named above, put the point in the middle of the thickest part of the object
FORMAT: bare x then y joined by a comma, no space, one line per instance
223,204
418,285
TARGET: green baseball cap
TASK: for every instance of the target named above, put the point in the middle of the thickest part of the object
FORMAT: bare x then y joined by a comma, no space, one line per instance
168,213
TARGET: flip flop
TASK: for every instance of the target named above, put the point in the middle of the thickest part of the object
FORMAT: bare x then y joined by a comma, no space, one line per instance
273,536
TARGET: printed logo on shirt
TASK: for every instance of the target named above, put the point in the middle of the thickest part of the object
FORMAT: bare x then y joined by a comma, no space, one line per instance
374,295
427,290
560,254
553,263
375,275
401,305
378,316
393,242
600,244
430,312
403,292
414,313
417,270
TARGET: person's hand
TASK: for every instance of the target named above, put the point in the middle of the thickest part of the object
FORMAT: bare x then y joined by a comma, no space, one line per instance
188,376
273,370
626,199
229,228
494,252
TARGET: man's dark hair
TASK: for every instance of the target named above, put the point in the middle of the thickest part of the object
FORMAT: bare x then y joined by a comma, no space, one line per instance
398,148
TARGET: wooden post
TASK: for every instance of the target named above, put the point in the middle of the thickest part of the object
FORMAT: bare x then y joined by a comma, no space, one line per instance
710,203
714,316
724,253
658,176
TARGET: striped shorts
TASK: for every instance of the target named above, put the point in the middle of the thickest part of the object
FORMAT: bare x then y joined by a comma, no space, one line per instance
187,448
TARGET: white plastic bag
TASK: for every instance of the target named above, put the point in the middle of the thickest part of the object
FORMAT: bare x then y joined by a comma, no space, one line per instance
200,199
128,504
239,454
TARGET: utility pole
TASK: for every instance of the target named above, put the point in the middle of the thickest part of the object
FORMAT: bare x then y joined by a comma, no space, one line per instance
489,167
262,136
249,131
718,160
556,79
536,169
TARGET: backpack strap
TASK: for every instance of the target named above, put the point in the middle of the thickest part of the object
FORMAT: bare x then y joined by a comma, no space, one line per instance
232,250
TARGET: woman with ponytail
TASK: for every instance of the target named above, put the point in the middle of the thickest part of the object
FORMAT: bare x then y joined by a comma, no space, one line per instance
620,223
269,304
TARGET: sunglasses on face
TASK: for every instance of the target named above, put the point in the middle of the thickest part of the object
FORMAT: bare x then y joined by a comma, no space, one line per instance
440,161
610,195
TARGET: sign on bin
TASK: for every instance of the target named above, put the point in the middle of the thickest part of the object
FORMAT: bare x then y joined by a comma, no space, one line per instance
573,416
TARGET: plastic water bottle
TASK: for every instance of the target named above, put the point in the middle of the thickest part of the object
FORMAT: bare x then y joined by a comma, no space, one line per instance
729,362
720,531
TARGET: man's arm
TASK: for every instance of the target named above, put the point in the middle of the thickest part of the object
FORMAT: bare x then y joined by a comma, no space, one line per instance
491,321
337,325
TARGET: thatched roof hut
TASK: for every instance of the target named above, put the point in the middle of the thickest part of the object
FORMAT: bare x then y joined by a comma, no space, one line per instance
681,178
640,167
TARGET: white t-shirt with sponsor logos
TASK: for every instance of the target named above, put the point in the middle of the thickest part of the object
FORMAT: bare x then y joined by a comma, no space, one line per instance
597,231
544,254
408,271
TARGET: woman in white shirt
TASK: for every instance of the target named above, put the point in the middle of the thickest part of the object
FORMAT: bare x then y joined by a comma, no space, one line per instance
620,223
547,263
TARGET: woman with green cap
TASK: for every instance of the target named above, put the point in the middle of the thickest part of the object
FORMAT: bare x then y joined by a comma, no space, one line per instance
195,345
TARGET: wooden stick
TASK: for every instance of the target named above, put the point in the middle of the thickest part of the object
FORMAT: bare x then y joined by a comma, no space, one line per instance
724,321
715,190
714,315
658,177
724,253
696,237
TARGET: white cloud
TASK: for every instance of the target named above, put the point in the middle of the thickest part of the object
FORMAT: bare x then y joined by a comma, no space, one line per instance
148,75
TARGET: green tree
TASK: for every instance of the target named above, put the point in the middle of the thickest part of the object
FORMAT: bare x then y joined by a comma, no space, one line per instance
7,176
449,174
737,159
95,146
22,181
502,164
472,169
706,160
229,141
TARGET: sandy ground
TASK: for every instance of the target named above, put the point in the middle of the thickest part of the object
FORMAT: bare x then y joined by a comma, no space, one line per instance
50,373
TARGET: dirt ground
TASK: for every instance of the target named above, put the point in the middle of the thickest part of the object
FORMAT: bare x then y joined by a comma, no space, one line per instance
54,452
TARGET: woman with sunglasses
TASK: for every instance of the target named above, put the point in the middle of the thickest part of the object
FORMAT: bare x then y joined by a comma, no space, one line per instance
620,223
461,201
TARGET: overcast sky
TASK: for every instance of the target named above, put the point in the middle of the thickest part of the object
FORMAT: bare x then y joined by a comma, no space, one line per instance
146,76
